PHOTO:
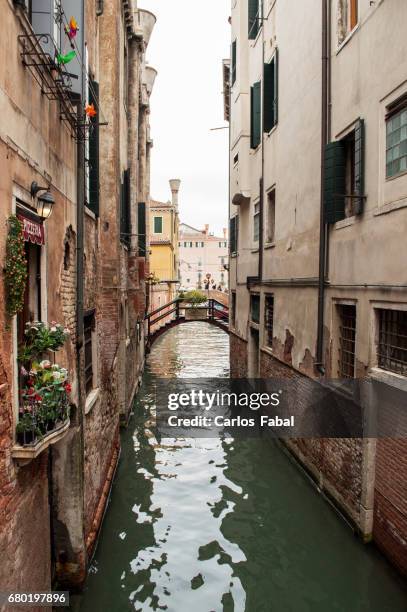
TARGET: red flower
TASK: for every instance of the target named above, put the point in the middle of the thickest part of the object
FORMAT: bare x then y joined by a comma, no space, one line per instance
67,387
30,391
37,398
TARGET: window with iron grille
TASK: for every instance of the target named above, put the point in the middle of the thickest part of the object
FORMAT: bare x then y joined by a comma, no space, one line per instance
88,331
347,341
392,345
269,318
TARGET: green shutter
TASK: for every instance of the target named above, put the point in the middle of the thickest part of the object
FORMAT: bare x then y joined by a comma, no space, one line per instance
158,225
141,218
253,19
334,182
275,88
233,234
233,61
268,96
94,187
255,115
359,166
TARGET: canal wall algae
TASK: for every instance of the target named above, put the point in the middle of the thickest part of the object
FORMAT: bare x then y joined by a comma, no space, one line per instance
222,524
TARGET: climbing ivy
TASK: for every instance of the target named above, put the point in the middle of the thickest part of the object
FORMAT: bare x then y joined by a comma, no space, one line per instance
15,270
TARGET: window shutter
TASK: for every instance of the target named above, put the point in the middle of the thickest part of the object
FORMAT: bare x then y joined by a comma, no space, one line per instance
255,132
233,234
275,88
94,185
141,229
268,96
253,18
127,205
233,61
359,166
334,182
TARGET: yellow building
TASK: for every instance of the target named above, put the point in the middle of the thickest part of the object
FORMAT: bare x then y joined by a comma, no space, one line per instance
164,224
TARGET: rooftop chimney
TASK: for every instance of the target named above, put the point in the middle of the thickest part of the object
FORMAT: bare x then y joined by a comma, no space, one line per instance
206,230
175,184
225,233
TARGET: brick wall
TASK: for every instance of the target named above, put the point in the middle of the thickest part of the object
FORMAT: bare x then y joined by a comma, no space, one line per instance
238,356
390,504
335,463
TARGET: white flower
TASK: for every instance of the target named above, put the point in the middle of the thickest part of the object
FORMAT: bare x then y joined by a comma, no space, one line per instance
66,331
57,375
53,328
45,364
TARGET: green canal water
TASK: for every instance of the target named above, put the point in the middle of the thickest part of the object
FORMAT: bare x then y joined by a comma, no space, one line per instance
223,525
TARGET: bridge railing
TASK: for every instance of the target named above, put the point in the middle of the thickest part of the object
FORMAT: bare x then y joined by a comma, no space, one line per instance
215,311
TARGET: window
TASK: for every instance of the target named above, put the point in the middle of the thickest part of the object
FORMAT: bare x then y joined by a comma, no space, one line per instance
233,71
271,215
254,18
348,16
347,341
270,93
396,138
233,310
234,234
392,345
269,319
344,182
255,308
89,335
32,295
255,115
256,223
92,175
158,225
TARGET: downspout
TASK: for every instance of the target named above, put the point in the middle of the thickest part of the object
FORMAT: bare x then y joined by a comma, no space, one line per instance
261,182
80,195
322,226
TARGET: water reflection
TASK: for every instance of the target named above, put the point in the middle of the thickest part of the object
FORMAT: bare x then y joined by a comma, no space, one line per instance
222,525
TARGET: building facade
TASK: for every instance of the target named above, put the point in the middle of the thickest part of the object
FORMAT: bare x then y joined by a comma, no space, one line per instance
202,257
317,258
164,251
74,135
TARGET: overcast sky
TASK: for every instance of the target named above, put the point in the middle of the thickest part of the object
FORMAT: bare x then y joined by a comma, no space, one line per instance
187,46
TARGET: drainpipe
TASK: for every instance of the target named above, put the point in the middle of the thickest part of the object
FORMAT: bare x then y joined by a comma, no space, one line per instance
80,197
323,227
261,182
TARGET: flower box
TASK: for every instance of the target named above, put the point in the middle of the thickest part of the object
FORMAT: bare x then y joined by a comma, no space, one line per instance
29,451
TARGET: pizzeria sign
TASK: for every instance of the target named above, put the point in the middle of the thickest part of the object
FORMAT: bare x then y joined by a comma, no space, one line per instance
32,230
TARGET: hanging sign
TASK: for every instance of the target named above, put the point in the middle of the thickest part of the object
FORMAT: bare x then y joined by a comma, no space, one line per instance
32,230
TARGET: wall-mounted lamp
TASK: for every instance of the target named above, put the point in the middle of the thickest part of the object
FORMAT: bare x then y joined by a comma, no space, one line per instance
45,201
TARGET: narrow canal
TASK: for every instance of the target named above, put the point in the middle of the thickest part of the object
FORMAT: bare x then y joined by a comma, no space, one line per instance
214,525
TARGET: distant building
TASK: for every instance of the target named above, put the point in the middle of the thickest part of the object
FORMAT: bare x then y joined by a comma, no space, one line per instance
200,254
164,223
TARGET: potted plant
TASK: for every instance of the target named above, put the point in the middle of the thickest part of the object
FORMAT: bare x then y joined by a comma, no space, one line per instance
27,429
40,339
194,299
